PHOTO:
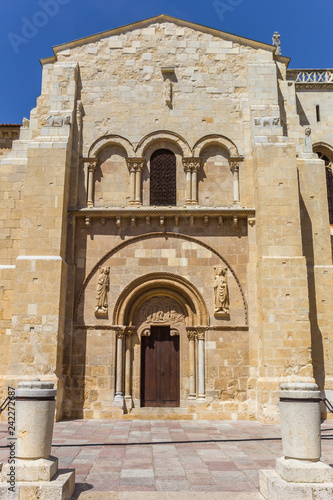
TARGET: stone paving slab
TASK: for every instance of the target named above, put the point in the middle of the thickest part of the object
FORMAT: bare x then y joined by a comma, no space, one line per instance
168,459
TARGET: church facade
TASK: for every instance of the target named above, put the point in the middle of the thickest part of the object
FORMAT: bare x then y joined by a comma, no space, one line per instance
165,227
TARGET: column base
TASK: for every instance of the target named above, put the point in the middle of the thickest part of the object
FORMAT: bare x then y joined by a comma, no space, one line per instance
128,404
119,402
273,487
61,487
42,469
303,471
192,397
201,398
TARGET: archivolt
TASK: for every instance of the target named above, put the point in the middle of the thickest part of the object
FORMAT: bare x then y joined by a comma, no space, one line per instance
149,236
110,140
215,139
160,136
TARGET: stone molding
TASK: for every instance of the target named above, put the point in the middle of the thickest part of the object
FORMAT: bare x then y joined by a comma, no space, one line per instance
191,164
215,139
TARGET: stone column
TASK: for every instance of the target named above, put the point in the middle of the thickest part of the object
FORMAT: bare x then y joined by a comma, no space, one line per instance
33,467
299,473
191,334
92,164
191,167
201,364
135,166
234,167
119,397
128,372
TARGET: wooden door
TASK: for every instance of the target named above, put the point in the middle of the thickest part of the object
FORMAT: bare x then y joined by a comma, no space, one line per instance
160,368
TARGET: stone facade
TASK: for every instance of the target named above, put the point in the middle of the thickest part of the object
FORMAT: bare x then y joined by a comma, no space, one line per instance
89,267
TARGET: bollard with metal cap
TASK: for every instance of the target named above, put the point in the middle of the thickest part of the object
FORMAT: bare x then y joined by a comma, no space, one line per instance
300,420
35,408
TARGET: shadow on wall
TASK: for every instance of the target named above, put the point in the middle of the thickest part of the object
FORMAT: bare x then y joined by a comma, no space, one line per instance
316,335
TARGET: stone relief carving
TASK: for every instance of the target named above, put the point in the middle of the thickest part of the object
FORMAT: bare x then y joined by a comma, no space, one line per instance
102,289
168,92
160,310
277,43
59,120
267,121
221,291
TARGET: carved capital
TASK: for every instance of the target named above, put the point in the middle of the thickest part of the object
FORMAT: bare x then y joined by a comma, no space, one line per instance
191,164
234,165
191,334
201,334
135,164
121,334
92,163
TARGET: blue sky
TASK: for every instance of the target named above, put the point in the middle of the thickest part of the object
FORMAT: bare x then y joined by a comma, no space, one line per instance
29,29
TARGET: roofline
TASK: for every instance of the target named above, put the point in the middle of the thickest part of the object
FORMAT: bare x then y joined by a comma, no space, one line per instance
159,18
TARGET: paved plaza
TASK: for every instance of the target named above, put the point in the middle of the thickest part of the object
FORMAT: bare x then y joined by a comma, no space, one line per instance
168,457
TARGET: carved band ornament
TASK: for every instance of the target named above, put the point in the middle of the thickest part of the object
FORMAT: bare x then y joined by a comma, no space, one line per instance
311,78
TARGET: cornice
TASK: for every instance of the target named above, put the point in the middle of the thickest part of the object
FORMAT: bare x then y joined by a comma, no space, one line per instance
159,211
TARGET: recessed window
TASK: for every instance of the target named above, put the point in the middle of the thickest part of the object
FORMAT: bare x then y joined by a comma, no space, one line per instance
163,178
318,113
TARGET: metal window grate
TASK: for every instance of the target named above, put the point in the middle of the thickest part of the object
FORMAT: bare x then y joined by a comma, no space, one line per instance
163,178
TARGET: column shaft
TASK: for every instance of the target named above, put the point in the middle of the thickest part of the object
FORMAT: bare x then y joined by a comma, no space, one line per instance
188,194
201,367
194,191
119,373
132,185
138,186
128,366
192,392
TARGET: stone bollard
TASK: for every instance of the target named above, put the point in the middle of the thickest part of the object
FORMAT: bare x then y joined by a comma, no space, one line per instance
300,420
34,472
35,409
299,474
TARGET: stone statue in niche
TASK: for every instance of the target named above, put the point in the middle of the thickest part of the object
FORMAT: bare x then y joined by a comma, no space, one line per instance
221,291
102,291
168,92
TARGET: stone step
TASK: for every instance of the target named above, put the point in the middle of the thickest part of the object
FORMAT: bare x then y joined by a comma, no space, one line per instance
158,413
169,495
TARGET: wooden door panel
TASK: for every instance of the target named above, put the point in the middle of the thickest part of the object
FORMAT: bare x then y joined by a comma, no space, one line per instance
160,368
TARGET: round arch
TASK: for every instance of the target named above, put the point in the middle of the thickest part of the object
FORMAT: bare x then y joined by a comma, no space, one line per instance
161,136
157,235
111,140
323,148
161,285
215,139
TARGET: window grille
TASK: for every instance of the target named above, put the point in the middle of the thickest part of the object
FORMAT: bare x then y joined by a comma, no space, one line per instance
163,178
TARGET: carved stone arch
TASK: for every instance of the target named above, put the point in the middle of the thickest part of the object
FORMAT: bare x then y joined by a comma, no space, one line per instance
111,140
215,139
135,239
325,149
160,284
160,137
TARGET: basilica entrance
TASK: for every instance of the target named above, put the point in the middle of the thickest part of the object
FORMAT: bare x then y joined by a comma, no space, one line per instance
160,385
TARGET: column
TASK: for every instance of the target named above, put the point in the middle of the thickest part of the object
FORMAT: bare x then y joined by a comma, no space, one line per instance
92,164
191,334
128,371
195,168
119,368
201,364
191,167
135,166
234,167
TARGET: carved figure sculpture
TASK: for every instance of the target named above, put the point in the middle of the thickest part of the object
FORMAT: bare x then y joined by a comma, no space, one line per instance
277,43
58,121
221,291
267,121
168,92
102,291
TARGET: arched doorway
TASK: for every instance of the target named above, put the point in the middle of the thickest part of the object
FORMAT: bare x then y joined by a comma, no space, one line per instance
164,317
160,322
